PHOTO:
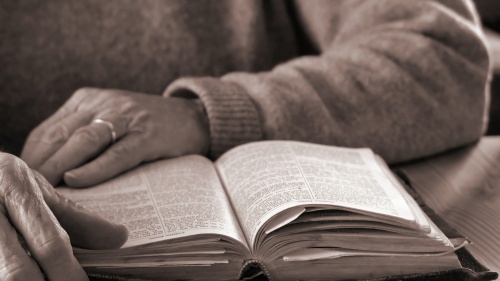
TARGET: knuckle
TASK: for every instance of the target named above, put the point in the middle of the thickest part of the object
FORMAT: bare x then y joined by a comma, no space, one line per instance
82,92
19,199
87,135
56,135
55,249
128,103
120,151
80,96
7,159
13,171
144,116
126,154
34,134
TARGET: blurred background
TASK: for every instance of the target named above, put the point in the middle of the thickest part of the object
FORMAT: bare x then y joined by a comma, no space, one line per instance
489,11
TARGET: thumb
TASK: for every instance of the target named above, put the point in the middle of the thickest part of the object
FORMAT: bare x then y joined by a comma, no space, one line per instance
85,229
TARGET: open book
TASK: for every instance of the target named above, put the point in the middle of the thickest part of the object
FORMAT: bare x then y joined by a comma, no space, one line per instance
297,210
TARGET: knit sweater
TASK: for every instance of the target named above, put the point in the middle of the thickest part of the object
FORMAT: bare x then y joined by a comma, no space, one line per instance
406,78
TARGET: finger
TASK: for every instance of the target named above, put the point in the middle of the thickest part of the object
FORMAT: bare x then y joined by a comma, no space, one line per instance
83,145
85,229
80,97
15,264
43,143
120,157
47,137
48,243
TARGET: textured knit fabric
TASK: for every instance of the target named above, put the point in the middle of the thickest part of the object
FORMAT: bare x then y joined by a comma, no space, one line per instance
406,78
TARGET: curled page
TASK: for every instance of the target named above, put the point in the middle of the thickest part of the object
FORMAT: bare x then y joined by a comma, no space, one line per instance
265,178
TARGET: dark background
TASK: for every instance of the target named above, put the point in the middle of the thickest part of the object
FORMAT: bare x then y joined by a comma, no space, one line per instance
490,14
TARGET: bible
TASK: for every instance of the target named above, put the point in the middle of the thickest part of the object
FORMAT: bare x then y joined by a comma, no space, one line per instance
284,209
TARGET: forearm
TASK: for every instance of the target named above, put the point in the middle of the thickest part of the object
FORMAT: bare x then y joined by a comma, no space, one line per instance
407,79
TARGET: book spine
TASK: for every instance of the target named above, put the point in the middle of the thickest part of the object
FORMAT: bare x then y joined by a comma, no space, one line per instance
252,269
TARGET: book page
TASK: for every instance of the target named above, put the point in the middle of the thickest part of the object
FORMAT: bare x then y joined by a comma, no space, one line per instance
265,178
163,200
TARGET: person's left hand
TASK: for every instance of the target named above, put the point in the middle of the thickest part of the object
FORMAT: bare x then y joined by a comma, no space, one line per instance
146,128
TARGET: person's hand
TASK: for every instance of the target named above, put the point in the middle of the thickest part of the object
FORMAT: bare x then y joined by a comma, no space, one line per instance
146,128
29,206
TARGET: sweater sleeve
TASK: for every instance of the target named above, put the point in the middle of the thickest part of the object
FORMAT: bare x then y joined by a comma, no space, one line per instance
405,78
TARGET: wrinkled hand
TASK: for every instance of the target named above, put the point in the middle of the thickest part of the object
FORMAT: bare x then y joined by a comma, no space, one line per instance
29,206
147,128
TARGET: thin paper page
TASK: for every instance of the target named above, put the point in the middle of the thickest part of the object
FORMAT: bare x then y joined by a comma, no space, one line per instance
164,200
351,178
265,178
333,253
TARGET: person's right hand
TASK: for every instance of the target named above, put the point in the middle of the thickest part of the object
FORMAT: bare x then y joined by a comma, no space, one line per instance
33,211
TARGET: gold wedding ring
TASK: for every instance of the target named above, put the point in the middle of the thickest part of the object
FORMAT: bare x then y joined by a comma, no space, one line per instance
109,125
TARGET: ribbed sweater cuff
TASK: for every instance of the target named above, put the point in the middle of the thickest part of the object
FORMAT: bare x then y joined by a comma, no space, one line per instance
233,118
